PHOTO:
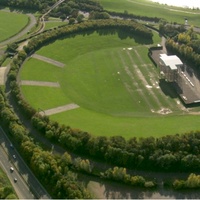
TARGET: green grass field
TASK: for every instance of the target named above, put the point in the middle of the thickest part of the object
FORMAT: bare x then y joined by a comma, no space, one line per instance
52,24
44,97
100,124
11,23
38,70
151,9
113,81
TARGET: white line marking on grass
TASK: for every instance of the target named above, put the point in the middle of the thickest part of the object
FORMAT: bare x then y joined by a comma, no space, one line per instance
48,60
40,83
59,109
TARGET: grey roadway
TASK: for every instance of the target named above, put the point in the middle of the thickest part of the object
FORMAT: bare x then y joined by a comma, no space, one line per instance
20,187
27,184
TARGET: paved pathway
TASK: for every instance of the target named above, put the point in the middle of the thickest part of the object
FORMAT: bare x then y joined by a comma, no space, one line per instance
2,75
40,83
48,60
59,109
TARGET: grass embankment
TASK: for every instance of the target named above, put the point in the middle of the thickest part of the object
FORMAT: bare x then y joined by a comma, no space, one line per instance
6,190
53,24
151,9
11,23
115,84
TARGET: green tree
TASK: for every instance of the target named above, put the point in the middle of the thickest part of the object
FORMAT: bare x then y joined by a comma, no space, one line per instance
80,18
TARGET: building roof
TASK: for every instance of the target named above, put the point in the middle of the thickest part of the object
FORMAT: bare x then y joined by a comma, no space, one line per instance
171,61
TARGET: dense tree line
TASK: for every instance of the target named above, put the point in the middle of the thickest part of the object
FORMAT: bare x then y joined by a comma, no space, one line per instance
99,15
120,174
185,45
169,153
170,30
28,4
192,182
127,15
67,8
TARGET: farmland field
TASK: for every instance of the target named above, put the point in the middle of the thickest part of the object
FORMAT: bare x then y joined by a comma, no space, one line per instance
113,81
151,9
12,23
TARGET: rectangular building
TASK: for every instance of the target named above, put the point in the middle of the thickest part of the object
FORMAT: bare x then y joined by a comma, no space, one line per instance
169,66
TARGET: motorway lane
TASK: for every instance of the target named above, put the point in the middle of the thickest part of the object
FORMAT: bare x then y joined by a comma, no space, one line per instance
22,169
20,187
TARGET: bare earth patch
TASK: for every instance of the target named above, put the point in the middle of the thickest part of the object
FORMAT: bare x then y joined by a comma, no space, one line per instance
164,111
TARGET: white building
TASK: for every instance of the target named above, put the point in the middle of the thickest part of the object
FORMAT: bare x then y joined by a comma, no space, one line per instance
169,66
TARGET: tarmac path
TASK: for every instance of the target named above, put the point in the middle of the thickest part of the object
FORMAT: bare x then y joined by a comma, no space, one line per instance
59,109
48,60
39,83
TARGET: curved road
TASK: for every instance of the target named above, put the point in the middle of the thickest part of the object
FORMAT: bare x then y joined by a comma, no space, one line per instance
32,22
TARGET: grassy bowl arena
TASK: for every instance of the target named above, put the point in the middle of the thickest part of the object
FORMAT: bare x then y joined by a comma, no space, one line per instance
105,85
11,23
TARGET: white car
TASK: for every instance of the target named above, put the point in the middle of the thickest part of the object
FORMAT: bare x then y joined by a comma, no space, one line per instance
11,169
15,180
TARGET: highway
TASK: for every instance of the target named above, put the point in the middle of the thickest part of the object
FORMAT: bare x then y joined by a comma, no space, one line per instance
27,185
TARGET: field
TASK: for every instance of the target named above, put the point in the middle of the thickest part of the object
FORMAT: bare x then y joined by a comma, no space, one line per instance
151,9
113,81
12,23
52,24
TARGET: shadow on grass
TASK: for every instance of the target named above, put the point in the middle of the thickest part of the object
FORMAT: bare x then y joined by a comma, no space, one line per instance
124,35
168,89
103,32
18,10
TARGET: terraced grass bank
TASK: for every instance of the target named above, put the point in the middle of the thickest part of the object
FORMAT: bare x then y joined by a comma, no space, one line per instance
113,83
